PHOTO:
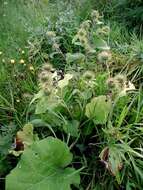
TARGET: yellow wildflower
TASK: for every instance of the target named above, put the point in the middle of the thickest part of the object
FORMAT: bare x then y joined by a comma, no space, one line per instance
3,60
12,61
22,51
21,61
31,68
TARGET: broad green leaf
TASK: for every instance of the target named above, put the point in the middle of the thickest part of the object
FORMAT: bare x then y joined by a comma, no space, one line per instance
47,103
98,109
38,123
71,127
64,82
37,96
43,167
100,43
42,105
111,156
75,58
26,135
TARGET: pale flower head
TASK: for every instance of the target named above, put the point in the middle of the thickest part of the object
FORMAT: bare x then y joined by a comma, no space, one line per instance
50,34
127,88
104,56
12,61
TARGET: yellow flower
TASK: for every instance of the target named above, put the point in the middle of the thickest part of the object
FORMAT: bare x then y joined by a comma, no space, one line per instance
22,51
22,61
3,60
17,100
12,61
31,68
0,52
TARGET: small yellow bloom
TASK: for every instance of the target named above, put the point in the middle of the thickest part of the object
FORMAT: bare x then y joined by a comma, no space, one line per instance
21,61
0,52
12,61
31,68
17,100
22,51
3,60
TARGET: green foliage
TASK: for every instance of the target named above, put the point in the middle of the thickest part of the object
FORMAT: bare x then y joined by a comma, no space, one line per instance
46,162
26,136
98,109
132,12
90,95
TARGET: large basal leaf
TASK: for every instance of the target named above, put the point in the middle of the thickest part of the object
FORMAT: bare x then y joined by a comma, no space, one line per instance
43,167
100,43
75,58
98,109
72,128
64,82
42,105
112,158
46,103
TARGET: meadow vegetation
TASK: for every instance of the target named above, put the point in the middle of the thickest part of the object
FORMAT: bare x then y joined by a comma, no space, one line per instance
71,95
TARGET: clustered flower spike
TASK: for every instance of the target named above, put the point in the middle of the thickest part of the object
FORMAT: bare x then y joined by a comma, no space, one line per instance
53,39
83,36
96,17
88,78
50,34
105,30
46,76
86,25
88,32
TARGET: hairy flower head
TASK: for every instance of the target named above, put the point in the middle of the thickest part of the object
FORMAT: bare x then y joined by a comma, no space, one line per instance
104,56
